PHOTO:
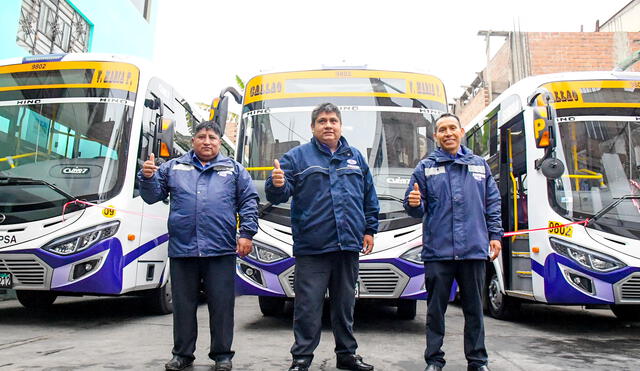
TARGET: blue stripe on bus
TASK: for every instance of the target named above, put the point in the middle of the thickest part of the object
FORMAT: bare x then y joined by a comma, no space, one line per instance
144,248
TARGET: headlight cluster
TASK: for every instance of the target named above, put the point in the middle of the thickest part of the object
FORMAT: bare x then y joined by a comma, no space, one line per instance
267,254
83,239
587,258
413,255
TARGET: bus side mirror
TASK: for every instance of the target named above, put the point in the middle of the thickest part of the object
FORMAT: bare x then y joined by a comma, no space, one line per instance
220,106
164,138
542,128
221,111
552,168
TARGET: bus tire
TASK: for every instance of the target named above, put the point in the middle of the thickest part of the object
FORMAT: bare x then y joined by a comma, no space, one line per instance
499,306
160,301
630,312
406,309
36,299
271,306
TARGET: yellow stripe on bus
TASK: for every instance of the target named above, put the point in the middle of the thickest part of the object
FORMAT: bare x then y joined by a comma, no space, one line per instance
569,94
259,168
111,75
274,86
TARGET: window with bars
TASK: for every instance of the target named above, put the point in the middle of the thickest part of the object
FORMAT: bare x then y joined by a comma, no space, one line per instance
52,26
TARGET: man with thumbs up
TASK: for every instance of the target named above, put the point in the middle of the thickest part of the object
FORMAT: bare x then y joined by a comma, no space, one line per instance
334,215
207,191
455,194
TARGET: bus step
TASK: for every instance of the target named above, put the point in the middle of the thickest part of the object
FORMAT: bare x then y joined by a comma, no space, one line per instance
523,294
521,254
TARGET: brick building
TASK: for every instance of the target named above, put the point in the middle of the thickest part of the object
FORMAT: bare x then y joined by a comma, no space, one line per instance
533,53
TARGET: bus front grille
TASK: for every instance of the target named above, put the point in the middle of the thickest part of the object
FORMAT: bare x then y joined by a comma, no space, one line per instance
375,280
25,271
628,289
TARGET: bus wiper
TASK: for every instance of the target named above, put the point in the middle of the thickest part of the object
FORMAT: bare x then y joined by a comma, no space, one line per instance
382,196
12,180
611,205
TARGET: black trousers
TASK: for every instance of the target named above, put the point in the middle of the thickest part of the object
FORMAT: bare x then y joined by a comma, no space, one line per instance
439,277
217,274
338,272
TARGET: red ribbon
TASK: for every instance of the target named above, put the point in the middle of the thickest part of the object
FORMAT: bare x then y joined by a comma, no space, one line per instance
64,208
525,231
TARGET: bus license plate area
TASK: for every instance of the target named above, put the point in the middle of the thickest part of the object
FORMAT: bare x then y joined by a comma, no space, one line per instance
5,281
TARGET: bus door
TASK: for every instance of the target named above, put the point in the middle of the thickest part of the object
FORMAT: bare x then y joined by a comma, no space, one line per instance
513,190
151,264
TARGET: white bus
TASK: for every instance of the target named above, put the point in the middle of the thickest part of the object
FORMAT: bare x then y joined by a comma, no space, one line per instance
388,116
78,127
565,148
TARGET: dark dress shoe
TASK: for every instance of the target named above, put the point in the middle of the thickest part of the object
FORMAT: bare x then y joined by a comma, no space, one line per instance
178,363
224,365
352,362
481,368
433,367
299,365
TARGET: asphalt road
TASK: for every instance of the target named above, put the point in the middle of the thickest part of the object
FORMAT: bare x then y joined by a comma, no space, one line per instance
117,333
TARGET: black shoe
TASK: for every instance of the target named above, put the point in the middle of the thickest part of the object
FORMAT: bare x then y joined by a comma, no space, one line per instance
299,365
223,365
433,367
178,363
352,362
481,368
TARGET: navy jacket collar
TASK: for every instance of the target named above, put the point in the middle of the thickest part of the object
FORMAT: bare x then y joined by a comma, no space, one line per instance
191,158
440,155
343,146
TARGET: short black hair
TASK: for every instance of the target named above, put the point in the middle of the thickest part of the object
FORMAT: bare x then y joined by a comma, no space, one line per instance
208,125
445,115
325,108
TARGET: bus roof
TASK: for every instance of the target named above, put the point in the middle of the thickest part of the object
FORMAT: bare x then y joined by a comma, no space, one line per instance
525,87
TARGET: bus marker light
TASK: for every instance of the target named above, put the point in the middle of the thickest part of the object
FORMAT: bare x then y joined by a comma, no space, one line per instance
535,249
544,140
131,237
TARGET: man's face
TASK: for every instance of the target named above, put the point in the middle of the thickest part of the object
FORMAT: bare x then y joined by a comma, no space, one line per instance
449,134
206,144
327,128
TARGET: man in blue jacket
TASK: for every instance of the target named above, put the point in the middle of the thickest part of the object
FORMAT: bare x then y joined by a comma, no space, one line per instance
334,215
207,190
455,194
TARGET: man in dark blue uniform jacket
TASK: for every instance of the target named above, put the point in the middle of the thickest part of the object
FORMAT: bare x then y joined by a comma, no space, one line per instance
455,194
334,215
207,190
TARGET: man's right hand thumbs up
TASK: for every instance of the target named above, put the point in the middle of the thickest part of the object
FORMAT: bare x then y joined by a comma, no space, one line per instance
149,167
277,175
414,196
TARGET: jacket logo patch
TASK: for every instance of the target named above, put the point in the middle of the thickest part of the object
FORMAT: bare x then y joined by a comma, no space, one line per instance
225,173
184,167
478,172
434,171
353,167
352,161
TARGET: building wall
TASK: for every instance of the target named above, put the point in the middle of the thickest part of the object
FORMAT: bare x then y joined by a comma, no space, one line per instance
552,52
116,26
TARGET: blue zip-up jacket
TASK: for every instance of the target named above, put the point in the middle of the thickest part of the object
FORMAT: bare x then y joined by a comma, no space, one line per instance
334,201
460,206
204,203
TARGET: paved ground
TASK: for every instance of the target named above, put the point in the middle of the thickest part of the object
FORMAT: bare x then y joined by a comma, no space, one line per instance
117,333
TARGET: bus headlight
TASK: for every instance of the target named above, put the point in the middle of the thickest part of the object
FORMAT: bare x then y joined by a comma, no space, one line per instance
82,240
587,258
267,254
413,255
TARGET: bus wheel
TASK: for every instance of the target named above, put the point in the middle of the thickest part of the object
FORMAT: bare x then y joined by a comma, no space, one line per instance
160,301
406,309
36,299
499,305
271,306
626,312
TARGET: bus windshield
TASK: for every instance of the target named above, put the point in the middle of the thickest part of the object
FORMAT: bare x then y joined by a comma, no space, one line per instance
73,138
602,160
393,139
